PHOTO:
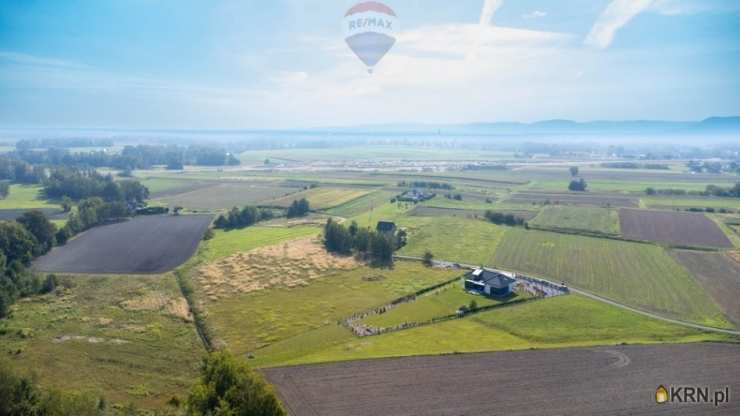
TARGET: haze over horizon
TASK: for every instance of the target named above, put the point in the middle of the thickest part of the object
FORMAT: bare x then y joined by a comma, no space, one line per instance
282,65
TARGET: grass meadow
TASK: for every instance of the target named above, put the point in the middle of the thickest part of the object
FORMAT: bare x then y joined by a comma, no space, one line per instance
641,275
128,338
226,243
599,220
26,197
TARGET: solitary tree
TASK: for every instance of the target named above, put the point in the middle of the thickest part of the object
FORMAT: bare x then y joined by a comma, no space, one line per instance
428,259
574,171
578,186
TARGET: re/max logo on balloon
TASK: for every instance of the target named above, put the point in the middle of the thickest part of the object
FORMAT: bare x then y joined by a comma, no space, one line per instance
370,31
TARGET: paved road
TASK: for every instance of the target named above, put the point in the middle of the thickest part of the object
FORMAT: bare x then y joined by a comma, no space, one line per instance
618,380
600,299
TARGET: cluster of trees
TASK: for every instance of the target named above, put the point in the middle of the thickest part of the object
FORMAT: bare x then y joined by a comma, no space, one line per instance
500,218
425,184
19,171
299,208
78,184
578,185
456,197
4,189
372,245
133,157
240,218
21,241
713,167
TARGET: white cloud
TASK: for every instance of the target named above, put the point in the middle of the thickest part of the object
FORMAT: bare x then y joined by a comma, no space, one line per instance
617,14
32,60
535,14
489,9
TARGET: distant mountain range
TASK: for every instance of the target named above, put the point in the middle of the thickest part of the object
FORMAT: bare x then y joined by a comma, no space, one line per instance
714,125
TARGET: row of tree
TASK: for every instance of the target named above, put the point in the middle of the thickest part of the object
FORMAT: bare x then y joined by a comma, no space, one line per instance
18,171
132,157
711,190
425,184
374,246
245,217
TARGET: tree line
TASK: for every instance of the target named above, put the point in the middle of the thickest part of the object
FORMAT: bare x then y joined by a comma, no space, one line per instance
76,184
132,157
299,208
22,240
245,217
710,190
425,184
371,245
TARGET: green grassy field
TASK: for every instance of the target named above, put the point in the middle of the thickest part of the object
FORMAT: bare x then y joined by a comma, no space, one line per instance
226,243
442,202
361,205
123,337
227,195
249,322
640,275
565,321
455,239
443,302
689,202
322,198
25,196
388,211
600,220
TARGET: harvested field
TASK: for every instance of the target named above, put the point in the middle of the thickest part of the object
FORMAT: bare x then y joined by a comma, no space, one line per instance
322,198
426,211
555,198
592,219
51,213
676,228
226,195
153,244
588,381
291,264
720,276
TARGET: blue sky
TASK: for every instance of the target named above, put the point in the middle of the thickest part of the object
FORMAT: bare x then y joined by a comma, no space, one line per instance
284,63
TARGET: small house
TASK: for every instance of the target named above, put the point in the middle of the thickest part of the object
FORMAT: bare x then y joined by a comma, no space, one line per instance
386,227
490,282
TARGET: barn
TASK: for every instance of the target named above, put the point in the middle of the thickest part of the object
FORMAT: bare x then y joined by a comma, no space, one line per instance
490,282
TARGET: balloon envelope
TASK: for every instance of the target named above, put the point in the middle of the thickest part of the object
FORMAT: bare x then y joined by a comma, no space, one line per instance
370,29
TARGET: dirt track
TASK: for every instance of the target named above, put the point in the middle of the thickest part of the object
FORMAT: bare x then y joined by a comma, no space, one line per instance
585,381
153,244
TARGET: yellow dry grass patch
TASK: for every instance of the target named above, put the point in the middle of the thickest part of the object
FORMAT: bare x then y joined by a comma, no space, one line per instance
158,301
735,255
291,264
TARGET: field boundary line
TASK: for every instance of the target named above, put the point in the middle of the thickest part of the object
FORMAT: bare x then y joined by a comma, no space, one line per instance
600,299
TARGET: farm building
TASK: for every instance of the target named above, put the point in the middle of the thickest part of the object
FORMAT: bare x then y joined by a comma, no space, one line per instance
490,282
416,196
386,227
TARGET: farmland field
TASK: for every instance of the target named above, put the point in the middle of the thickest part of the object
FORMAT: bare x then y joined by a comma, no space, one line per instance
511,383
636,274
254,320
600,220
321,198
127,338
563,321
153,244
676,228
690,202
25,197
720,276
161,187
226,243
226,195
454,239
573,198
362,204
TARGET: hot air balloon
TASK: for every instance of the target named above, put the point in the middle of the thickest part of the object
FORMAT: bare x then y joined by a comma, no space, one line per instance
370,29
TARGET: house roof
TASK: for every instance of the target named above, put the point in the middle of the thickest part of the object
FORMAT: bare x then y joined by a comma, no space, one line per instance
386,226
493,278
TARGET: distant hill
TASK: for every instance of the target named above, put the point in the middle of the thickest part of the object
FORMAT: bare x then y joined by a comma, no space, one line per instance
715,125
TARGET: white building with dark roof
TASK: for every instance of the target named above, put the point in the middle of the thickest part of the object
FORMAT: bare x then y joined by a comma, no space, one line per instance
490,282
